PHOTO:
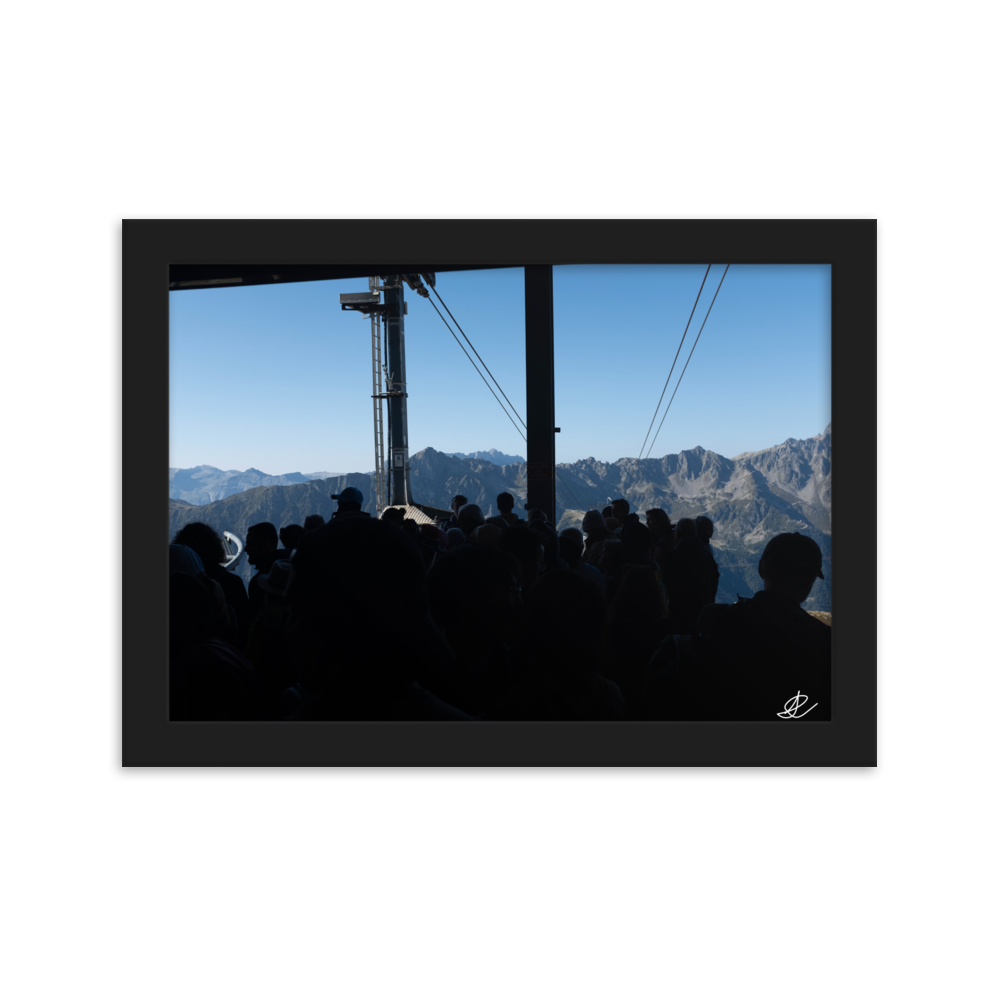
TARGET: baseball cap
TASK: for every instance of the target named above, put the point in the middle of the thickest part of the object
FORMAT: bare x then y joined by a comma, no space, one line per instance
349,493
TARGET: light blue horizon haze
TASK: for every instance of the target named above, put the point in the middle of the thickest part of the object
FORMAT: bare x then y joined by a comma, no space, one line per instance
278,377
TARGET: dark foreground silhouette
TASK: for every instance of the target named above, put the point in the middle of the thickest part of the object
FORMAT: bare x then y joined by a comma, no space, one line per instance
491,619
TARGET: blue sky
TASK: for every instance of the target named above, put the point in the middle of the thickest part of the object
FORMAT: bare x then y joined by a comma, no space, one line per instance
279,378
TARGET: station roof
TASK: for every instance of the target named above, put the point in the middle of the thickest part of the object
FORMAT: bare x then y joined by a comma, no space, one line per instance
191,276
421,513
414,512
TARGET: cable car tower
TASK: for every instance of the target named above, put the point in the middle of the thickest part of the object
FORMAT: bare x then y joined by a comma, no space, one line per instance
392,484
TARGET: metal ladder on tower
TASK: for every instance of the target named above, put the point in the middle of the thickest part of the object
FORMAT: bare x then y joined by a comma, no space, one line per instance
377,396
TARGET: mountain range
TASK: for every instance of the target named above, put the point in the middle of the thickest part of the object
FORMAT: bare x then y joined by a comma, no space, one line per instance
204,483
750,498
494,456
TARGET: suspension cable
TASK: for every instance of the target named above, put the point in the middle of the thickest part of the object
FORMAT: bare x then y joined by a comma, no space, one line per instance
474,351
478,372
488,386
686,363
676,356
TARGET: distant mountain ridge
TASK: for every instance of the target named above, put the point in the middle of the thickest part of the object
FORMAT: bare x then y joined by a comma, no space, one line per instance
750,498
494,456
205,483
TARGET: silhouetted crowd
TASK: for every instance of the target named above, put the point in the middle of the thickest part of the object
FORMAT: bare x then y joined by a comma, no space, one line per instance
496,618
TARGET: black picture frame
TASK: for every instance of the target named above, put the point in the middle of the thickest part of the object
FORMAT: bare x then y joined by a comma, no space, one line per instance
151,246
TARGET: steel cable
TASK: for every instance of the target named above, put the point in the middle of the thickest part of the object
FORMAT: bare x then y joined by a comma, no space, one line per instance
481,375
474,351
676,356
686,363
488,386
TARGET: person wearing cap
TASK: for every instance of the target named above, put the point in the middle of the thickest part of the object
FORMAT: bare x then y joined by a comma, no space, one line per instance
753,659
349,502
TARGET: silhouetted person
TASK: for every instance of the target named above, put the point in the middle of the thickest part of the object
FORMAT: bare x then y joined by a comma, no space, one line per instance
755,659
527,548
290,536
184,559
620,510
550,543
261,550
486,535
314,521
609,557
637,541
571,552
595,529
705,529
267,648
433,544
536,514
359,627
475,601
687,576
470,516
204,540
563,658
658,522
637,625
457,503
505,505
349,504
209,679
394,515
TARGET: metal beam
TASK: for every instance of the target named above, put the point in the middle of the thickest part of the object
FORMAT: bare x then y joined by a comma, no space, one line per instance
395,388
539,359
194,276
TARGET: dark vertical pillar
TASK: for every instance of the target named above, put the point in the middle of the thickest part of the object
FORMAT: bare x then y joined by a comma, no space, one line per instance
399,454
539,359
